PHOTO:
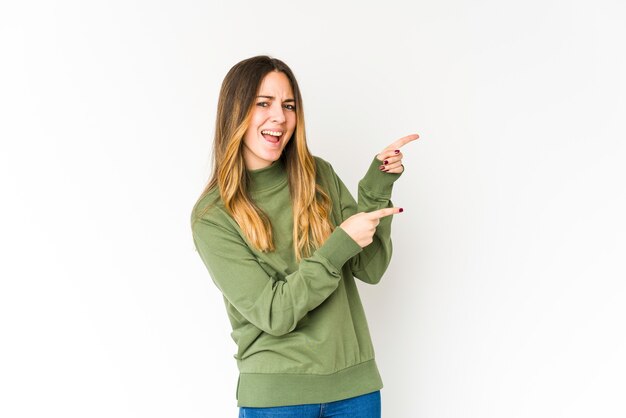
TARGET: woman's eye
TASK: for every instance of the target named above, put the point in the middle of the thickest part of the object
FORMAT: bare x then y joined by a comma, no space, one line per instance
290,107
262,104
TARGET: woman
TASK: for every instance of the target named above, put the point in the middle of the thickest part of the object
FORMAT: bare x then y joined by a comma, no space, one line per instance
283,239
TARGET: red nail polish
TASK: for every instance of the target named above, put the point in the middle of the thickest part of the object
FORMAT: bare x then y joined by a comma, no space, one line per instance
381,167
386,162
397,151
401,210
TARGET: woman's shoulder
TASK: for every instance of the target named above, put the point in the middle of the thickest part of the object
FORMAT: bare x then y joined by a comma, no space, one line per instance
208,207
324,168
326,176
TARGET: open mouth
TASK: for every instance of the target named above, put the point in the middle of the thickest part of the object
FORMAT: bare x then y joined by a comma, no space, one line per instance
272,136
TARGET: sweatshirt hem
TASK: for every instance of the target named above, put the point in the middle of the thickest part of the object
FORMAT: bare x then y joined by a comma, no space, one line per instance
283,389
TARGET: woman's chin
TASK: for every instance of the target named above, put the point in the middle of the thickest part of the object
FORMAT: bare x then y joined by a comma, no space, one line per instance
273,154
273,158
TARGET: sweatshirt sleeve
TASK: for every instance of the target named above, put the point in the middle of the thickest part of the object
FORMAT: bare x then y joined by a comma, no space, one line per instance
271,303
374,193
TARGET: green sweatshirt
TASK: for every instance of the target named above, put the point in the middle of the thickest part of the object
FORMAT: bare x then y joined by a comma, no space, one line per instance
300,328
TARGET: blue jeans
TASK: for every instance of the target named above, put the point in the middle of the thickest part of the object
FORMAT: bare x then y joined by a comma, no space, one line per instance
364,406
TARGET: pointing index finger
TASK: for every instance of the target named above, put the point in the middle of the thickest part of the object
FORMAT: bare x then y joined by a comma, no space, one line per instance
403,141
381,213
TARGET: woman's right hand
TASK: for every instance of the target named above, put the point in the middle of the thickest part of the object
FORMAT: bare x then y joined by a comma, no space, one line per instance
362,226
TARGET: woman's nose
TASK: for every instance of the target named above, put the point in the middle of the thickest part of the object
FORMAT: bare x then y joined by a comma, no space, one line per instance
278,114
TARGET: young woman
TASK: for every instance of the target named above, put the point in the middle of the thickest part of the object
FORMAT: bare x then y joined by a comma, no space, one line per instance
283,239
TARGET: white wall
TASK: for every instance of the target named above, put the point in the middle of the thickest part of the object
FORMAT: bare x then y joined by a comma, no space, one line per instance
506,294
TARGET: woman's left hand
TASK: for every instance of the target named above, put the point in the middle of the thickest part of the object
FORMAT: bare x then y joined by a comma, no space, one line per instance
391,157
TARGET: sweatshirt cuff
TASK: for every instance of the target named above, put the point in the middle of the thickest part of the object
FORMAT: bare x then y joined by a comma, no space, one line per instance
377,181
339,248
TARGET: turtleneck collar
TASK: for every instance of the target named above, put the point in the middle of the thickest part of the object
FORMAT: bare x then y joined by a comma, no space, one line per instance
266,178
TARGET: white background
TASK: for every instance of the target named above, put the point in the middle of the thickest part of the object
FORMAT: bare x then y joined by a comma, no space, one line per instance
505,297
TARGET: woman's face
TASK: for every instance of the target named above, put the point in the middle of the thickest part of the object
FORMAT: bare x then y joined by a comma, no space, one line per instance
272,123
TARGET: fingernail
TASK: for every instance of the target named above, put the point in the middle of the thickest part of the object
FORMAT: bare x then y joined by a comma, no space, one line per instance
386,162
401,210
397,151
381,167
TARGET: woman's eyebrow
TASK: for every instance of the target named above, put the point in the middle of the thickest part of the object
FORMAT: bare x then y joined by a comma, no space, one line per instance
272,98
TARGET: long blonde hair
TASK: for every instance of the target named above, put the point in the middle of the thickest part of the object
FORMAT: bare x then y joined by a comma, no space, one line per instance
311,204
